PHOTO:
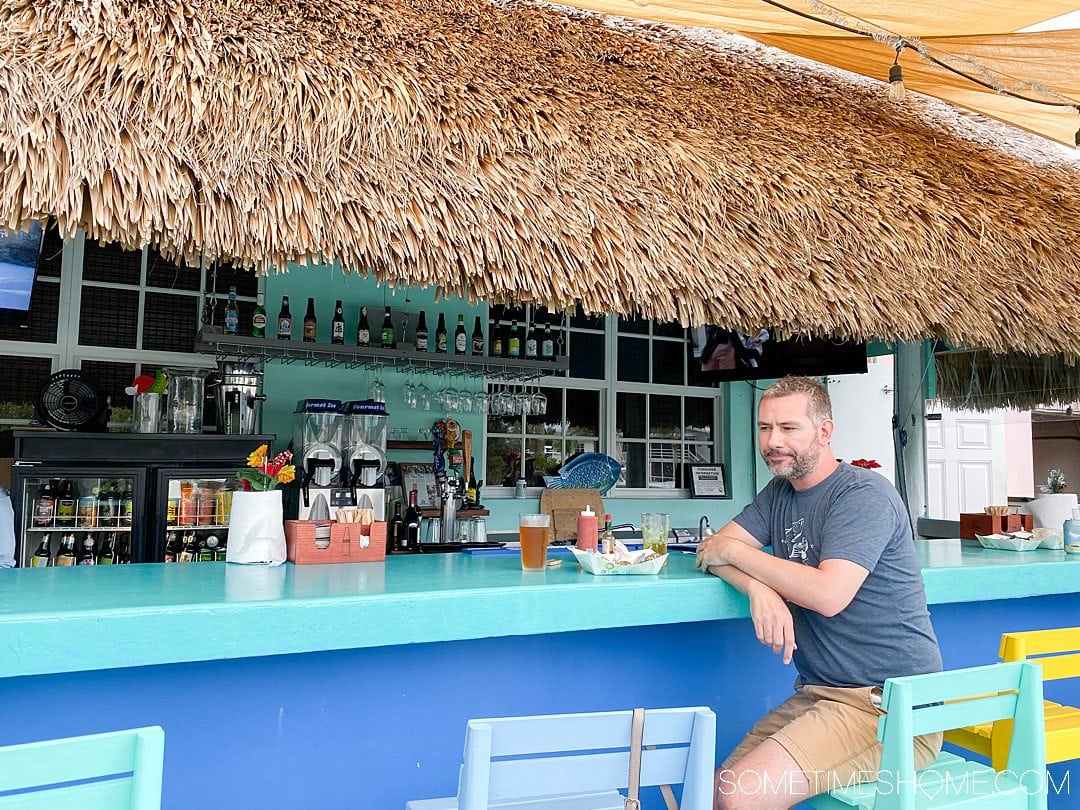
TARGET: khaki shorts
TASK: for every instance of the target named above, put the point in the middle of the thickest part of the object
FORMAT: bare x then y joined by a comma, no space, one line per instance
831,732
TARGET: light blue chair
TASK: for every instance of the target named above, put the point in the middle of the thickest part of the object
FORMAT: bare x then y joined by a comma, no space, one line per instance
566,761
924,704
133,759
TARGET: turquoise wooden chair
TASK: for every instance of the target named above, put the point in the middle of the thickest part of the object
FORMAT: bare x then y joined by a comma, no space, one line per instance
131,760
566,761
924,704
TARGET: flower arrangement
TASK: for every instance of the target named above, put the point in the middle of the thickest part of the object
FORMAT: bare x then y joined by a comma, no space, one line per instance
865,463
1055,483
263,475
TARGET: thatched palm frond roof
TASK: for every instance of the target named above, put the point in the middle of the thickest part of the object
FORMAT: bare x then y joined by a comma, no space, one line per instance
520,153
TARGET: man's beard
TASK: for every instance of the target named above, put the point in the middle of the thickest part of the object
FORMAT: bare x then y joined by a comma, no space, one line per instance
793,466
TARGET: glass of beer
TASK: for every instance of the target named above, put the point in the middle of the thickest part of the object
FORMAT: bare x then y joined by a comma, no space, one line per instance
534,531
654,531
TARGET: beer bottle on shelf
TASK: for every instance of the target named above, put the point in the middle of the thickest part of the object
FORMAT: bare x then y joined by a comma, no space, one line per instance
105,516
232,314
498,344
337,325
41,556
191,549
531,340
311,323
440,335
396,529
127,505
363,331
45,506
477,338
284,320
547,343
65,555
412,524
471,490
513,344
206,550
461,340
421,342
107,555
387,333
222,550
86,552
65,505
258,317
172,547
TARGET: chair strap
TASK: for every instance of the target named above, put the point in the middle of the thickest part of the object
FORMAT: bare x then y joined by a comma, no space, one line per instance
637,734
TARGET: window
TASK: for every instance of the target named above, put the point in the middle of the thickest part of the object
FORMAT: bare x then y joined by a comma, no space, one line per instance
626,394
113,313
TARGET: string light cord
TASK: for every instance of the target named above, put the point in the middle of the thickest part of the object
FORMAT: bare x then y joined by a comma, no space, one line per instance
835,18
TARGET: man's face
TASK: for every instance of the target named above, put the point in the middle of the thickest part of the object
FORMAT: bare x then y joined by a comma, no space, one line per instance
789,441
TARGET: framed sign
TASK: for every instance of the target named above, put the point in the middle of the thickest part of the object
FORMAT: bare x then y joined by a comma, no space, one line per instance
420,477
707,481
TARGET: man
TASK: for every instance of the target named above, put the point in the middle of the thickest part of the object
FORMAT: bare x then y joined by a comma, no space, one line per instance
841,594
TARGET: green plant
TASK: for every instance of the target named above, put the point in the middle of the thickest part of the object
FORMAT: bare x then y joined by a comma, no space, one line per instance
1055,483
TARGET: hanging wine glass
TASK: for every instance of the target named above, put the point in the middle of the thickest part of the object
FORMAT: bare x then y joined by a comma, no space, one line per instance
408,392
376,390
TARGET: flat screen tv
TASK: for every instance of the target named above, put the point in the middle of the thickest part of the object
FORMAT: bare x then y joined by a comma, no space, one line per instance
722,355
19,254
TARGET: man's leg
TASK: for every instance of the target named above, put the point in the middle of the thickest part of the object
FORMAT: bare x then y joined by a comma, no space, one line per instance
767,778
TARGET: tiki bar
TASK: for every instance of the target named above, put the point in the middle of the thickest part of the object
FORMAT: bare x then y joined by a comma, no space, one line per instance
496,404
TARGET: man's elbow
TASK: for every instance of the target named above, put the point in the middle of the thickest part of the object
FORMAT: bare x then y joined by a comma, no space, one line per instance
832,604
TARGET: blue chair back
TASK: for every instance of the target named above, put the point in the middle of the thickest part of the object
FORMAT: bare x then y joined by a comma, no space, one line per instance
126,764
526,757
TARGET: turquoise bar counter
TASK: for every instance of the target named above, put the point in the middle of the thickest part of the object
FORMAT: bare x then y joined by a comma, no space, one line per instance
71,619
349,686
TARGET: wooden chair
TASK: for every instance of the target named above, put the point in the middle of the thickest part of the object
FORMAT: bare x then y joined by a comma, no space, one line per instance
132,760
924,704
566,762
1058,652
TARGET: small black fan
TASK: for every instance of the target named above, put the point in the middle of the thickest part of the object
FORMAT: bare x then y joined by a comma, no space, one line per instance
71,400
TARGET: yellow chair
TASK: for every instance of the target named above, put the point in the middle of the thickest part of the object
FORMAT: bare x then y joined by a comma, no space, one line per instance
1058,652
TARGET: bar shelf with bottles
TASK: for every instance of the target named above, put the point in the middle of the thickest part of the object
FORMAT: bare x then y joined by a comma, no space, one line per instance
197,519
91,516
404,340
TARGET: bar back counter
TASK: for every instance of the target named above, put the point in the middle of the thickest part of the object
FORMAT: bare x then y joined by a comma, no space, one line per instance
349,686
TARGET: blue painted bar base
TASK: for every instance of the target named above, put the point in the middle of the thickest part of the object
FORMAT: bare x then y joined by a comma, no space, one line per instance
371,728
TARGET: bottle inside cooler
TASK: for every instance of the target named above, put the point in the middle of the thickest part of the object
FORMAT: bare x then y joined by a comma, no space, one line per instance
197,519
56,509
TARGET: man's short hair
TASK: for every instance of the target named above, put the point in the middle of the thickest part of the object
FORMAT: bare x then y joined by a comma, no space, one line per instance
820,406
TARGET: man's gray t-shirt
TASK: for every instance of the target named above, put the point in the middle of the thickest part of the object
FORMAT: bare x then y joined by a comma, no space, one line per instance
855,515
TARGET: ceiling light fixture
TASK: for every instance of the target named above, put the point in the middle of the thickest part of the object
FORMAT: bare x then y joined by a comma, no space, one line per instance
897,91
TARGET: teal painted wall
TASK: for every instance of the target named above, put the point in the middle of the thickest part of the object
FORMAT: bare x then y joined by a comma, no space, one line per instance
284,385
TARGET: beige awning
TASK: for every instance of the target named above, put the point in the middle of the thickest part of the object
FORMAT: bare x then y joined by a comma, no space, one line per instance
986,31
522,153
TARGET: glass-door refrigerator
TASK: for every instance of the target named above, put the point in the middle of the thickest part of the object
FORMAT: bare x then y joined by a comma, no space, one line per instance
128,492
69,516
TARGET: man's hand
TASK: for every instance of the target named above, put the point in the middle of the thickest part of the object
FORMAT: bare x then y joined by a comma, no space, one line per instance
772,620
717,550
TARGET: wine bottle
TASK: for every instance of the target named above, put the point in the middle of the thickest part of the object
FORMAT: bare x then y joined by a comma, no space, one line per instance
440,335
310,322
363,331
337,325
387,338
421,341
461,341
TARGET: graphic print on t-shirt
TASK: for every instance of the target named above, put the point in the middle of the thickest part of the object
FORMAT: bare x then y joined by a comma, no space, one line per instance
797,544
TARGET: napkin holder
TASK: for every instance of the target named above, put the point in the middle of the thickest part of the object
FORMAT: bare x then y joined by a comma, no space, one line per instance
348,544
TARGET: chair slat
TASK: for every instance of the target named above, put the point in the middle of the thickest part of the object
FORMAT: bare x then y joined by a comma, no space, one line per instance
1059,666
515,779
929,719
53,761
107,795
959,684
1039,642
584,732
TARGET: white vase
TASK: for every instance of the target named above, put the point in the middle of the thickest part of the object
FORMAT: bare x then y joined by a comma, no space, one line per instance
256,529
1051,511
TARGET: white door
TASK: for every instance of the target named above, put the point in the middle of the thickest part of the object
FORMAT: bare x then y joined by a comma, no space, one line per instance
965,462
862,410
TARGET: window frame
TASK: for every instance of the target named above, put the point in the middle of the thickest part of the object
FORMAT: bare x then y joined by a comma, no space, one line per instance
609,387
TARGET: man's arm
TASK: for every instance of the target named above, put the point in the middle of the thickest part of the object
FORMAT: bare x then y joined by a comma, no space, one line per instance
827,589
